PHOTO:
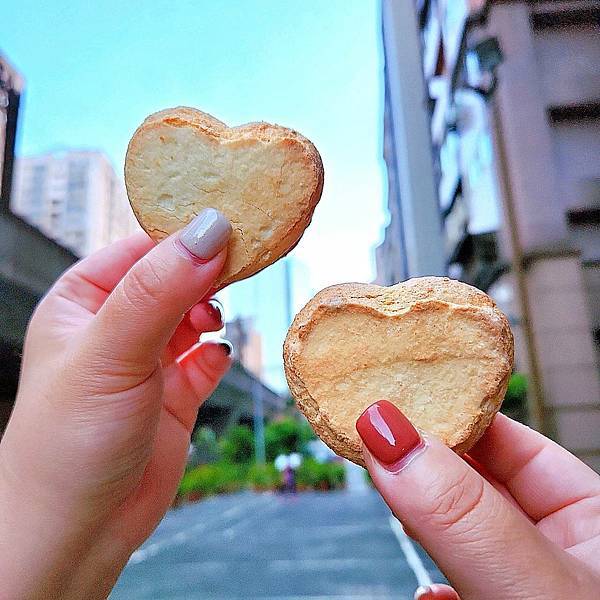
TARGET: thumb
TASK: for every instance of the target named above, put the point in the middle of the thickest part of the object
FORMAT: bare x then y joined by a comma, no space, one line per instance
141,314
484,546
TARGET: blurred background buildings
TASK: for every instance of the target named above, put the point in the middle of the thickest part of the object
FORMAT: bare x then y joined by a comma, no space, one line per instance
11,87
512,204
74,197
264,306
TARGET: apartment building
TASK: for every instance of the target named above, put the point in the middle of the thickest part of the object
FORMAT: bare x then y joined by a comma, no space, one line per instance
511,90
73,197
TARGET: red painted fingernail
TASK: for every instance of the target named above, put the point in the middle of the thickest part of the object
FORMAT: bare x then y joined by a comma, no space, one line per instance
387,433
422,592
215,310
226,346
189,355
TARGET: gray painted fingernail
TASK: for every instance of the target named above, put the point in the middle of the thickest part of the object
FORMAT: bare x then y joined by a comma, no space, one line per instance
207,234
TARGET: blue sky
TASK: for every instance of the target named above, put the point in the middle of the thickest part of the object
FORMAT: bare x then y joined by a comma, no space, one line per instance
94,70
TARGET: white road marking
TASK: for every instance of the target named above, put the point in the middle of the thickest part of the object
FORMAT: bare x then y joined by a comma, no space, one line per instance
323,564
412,558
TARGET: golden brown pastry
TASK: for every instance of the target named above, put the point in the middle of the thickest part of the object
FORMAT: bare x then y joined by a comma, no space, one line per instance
265,178
439,349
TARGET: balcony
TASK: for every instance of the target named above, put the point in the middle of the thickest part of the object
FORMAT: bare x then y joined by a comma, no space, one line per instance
581,14
583,111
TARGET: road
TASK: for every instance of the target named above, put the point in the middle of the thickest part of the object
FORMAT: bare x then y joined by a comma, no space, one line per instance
311,546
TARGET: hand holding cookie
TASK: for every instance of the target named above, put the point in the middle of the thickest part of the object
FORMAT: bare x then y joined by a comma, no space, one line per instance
405,379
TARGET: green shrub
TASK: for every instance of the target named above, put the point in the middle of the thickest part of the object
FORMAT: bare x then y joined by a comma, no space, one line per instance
517,387
237,445
321,476
286,436
264,477
515,400
217,478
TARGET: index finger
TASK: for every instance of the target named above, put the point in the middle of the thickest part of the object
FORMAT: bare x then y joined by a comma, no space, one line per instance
527,463
89,281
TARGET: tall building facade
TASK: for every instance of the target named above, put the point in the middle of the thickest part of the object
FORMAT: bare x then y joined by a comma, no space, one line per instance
513,100
11,88
74,197
390,256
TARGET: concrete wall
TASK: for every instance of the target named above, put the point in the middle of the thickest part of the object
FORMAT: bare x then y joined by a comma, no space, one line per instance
550,168
567,59
561,323
526,132
577,157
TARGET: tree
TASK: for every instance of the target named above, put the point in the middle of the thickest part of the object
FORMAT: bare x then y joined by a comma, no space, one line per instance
286,436
237,445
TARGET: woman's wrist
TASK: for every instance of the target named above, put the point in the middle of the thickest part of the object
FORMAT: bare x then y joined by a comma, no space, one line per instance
97,572
45,554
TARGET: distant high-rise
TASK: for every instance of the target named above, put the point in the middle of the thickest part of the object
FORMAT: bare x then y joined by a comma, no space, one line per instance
11,87
268,301
511,94
247,344
74,197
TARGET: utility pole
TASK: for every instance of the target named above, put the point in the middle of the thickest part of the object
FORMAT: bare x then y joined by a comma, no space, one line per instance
535,394
259,421
288,290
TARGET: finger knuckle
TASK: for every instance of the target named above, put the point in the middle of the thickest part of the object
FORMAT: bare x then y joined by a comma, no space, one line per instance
456,502
144,285
209,375
64,289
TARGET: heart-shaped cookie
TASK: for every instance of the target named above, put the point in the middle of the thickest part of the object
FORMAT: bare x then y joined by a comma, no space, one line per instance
265,178
437,348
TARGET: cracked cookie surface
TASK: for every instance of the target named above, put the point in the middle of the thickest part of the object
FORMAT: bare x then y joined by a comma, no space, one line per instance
439,349
265,178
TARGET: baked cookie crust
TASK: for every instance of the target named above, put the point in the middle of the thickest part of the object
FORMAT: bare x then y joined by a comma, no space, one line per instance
266,179
437,348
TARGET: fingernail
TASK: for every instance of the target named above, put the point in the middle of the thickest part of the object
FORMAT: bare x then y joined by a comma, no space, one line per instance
193,353
226,346
215,310
207,234
422,591
387,433
189,355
